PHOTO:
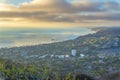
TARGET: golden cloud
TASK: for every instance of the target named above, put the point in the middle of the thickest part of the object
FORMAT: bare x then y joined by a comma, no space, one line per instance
61,11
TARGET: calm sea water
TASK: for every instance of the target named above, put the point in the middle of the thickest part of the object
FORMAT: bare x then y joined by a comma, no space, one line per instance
32,36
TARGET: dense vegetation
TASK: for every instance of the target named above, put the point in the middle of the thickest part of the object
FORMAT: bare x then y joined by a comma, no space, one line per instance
17,71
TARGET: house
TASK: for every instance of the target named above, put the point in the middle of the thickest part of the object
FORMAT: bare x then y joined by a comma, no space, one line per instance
82,55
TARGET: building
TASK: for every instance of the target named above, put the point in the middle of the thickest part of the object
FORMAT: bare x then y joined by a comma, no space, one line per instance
73,52
82,55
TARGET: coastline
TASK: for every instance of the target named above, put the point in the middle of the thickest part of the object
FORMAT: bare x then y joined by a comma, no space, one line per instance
52,39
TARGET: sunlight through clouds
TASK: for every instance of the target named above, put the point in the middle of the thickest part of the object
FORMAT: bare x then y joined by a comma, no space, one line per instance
62,12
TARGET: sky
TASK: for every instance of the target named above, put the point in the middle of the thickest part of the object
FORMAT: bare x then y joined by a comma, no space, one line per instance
59,13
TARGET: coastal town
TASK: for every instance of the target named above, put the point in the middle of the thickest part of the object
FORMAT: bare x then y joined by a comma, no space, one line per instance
91,54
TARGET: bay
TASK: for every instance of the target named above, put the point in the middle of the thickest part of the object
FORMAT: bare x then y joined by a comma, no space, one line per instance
15,37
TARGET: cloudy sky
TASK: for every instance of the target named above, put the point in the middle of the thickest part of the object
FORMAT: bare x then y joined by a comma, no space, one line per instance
59,13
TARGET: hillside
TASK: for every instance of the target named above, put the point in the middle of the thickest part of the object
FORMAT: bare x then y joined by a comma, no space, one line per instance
95,53
105,39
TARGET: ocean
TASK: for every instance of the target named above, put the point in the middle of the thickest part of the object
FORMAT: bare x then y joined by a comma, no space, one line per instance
15,37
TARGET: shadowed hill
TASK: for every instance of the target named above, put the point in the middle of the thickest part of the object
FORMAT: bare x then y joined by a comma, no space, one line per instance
111,76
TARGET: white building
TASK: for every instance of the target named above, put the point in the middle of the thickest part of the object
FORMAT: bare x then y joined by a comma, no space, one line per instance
52,56
82,55
73,52
60,56
43,56
67,56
